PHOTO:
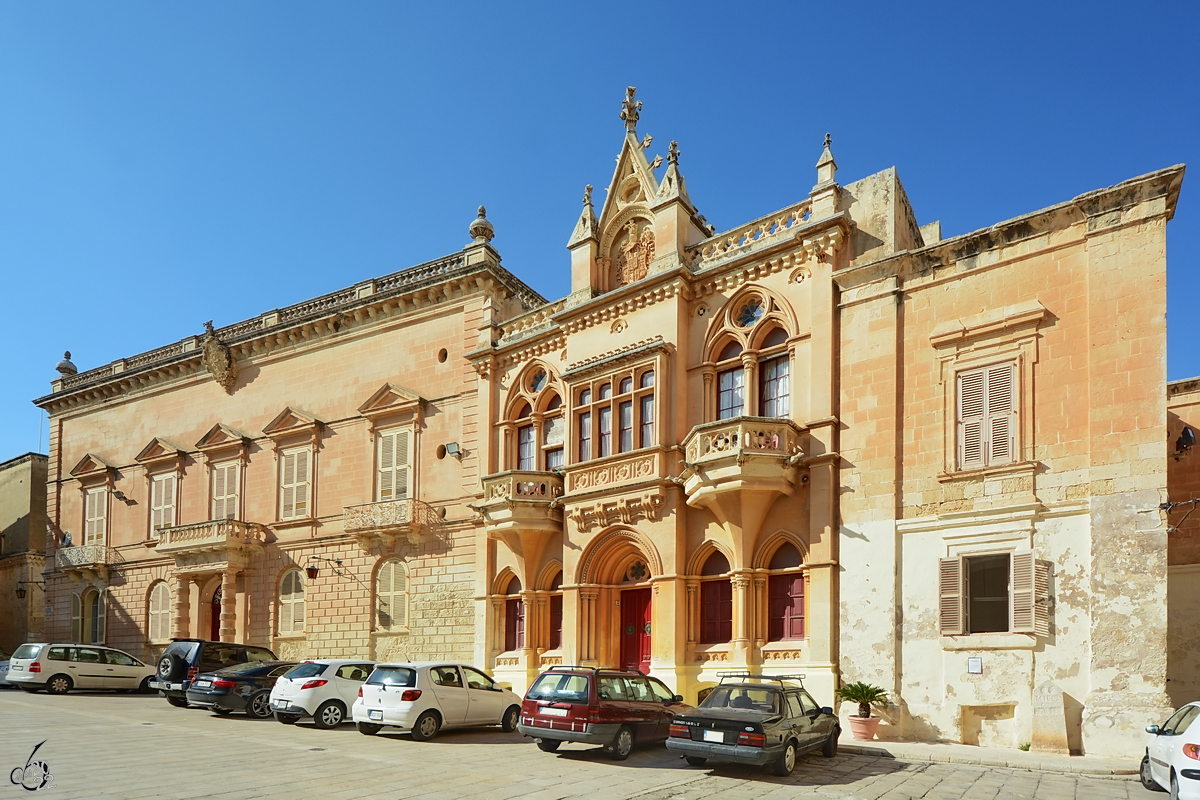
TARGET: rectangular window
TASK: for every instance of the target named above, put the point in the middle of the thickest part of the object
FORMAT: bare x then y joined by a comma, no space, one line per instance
987,416
625,420
525,448
554,458
785,607
731,393
716,612
647,421
225,491
162,503
604,435
95,519
585,436
775,387
392,465
994,593
294,484
556,616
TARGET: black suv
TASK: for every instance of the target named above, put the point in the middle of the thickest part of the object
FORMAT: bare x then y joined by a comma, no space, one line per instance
184,659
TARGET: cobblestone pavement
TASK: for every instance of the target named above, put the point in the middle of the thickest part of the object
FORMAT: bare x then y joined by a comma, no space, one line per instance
136,746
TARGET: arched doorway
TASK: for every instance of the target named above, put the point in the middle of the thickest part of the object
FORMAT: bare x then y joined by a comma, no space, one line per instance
214,616
617,600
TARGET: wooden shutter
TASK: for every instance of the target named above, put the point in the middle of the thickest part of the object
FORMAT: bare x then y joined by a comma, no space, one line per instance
218,493
76,618
971,415
94,521
302,482
950,596
160,612
1022,593
1041,598
225,491
1001,415
399,595
393,465
287,486
383,595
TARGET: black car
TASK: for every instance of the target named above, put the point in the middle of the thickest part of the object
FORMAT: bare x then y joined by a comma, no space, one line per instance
755,719
243,687
184,659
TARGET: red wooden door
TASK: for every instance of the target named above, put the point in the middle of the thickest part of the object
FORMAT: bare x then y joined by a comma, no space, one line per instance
635,629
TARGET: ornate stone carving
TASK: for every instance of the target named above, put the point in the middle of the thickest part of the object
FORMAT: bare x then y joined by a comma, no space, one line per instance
218,359
623,471
632,253
625,509
631,109
781,655
702,658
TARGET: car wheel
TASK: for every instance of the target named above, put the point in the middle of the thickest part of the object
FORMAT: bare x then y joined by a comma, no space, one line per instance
259,706
508,723
548,745
220,712
330,714
695,761
144,686
786,761
59,684
426,727
1147,776
622,744
178,702
829,749
287,719
368,729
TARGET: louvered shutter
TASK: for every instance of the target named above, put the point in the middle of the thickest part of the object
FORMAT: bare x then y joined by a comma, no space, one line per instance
950,596
387,466
167,512
156,492
1041,598
76,618
402,464
287,500
399,595
224,491
1022,593
971,416
383,595
301,492
1001,414
101,601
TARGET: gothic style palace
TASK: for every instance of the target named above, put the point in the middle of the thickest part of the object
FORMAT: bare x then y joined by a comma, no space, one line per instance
827,441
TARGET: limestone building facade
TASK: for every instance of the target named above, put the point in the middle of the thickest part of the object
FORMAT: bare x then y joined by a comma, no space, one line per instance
825,441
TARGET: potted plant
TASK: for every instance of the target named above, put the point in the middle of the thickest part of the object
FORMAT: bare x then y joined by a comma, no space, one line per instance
863,725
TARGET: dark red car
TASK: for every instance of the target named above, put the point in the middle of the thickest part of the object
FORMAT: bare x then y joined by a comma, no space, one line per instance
614,708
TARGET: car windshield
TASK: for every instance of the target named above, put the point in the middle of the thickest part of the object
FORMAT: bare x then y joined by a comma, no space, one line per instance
393,676
745,698
26,651
561,687
307,670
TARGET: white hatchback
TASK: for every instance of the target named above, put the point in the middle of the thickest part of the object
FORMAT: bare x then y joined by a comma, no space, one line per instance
1172,759
321,689
423,697
59,668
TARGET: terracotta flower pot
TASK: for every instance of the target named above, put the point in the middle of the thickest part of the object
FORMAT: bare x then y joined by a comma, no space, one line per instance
863,728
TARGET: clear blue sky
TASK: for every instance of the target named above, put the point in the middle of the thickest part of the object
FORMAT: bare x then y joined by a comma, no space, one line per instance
166,163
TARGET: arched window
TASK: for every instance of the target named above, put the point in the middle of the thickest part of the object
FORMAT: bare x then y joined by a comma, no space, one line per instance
716,600
391,595
785,595
158,622
514,616
774,375
731,382
536,426
556,612
291,603
87,617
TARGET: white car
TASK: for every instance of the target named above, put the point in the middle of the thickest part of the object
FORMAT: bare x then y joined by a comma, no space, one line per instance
423,697
1172,760
59,668
321,689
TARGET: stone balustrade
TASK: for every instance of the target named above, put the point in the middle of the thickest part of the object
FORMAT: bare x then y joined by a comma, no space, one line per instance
214,534
87,557
522,485
389,514
743,437
761,231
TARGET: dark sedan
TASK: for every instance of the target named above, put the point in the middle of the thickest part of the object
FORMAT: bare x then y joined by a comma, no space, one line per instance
242,687
755,719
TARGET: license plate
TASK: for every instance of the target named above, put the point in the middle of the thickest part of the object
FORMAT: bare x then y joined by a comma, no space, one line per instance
714,736
17,667
553,712
203,684
277,704
375,714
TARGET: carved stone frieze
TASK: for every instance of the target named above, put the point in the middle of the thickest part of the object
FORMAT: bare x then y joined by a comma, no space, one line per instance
703,658
619,472
627,510
781,655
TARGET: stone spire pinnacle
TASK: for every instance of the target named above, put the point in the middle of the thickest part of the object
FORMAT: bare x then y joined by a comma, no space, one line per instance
587,225
631,109
826,166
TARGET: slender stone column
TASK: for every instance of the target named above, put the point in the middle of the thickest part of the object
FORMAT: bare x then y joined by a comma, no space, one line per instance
587,627
181,607
741,618
228,605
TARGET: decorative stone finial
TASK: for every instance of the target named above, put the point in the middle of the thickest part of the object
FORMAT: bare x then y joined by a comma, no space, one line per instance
673,154
65,367
630,109
481,230
828,140
826,166
646,140
587,195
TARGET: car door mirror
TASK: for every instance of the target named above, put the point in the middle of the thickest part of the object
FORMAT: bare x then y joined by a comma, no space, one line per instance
1152,729
827,710
677,698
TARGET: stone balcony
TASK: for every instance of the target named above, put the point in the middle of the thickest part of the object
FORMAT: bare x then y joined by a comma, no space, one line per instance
89,562
740,454
211,546
521,509
382,522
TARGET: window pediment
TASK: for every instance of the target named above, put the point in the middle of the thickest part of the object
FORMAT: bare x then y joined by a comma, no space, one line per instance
159,453
221,438
91,468
390,401
995,323
292,424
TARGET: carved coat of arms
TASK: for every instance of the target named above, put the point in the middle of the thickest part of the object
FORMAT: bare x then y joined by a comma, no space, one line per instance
218,359
633,256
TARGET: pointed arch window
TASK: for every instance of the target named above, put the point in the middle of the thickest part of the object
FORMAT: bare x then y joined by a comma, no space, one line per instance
158,614
391,596
785,594
514,616
750,372
291,603
556,612
716,600
731,382
540,429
